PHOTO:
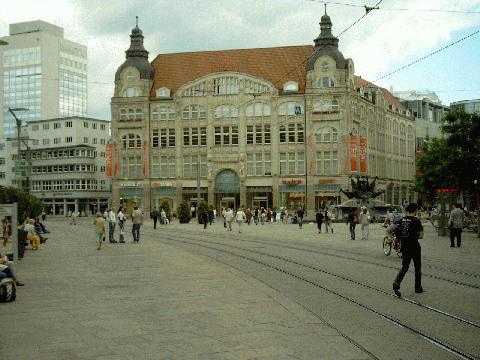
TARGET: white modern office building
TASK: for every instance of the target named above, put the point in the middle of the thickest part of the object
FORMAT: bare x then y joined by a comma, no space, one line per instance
66,163
42,72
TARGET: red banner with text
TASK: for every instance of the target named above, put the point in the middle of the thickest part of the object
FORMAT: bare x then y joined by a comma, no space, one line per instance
117,155
145,151
363,155
108,156
353,153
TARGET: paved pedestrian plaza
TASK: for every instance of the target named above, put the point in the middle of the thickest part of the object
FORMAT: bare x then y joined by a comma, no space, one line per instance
163,300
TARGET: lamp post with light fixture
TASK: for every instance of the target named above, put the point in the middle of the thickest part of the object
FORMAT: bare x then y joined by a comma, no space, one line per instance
19,126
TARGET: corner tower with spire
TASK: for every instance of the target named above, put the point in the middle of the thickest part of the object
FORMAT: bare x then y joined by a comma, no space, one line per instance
134,77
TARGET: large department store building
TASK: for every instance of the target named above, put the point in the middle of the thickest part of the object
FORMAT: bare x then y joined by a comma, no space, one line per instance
268,127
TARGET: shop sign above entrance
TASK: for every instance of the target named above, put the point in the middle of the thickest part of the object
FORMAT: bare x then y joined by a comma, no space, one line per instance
291,181
131,184
163,184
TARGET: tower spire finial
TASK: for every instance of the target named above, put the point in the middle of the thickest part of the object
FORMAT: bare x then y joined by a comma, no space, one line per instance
136,18
325,9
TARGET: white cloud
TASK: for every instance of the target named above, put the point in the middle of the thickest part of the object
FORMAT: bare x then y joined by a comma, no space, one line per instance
380,42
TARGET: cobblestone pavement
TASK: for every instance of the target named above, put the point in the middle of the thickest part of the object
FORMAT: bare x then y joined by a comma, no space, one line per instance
152,301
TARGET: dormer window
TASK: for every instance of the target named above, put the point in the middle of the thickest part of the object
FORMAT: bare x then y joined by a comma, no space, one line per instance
290,86
130,76
162,92
325,66
325,82
130,92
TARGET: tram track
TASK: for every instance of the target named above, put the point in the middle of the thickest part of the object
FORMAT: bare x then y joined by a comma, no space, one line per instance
233,251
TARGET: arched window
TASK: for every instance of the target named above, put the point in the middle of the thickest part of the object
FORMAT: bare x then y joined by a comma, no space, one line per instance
325,106
130,92
290,109
290,86
326,135
194,112
163,113
257,109
325,82
123,115
225,111
131,141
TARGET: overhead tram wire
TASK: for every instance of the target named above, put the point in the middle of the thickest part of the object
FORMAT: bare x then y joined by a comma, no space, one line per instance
427,56
367,11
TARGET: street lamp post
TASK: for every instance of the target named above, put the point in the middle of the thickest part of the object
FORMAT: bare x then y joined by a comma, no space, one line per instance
19,125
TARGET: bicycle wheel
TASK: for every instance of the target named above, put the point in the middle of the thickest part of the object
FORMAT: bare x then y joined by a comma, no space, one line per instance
387,246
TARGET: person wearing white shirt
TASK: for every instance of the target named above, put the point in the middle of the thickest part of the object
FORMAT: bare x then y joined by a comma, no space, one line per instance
240,217
229,218
112,221
121,224
364,219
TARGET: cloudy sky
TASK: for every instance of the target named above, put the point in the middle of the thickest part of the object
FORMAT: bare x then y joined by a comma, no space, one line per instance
386,39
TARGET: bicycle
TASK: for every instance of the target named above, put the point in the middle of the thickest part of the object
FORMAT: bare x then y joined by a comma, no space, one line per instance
390,241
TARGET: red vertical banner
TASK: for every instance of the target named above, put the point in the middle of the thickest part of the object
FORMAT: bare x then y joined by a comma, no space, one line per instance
353,153
116,158
363,155
108,156
145,153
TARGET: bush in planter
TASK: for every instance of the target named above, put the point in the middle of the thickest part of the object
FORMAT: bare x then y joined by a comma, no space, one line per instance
202,206
183,213
28,205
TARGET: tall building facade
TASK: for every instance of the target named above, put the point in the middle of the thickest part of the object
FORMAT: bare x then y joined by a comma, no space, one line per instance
66,163
428,111
42,72
272,127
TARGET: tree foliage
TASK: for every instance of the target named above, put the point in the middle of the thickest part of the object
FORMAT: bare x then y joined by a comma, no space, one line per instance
183,213
452,161
28,205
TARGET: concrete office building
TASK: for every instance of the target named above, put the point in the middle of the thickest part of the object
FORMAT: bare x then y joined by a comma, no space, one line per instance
66,160
267,127
428,111
43,72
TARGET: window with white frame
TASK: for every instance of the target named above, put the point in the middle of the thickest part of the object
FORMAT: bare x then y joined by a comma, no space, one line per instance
290,86
290,108
225,111
325,82
194,112
325,106
326,135
327,162
167,167
292,163
57,125
291,133
226,135
225,85
259,164
163,113
131,141
258,109
195,136
57,140
258,134
190,163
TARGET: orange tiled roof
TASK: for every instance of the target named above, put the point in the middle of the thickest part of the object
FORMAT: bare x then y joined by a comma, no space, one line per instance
389,98
277,65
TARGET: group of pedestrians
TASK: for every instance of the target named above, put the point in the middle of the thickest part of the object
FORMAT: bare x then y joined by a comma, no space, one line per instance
155,214
364,218
111,218
323,216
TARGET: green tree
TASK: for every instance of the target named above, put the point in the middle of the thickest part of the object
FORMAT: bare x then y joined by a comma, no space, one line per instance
28,205
452,161
183,213
166,206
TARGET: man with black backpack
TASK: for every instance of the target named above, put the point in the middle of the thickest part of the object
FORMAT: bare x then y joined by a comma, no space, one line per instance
409,231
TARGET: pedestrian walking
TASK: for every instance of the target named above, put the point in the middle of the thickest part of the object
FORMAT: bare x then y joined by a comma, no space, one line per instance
214,215
328,221
99,223
249,215
203,217
364,222
300,213
163,217
112,222
319,219
105,215
137,221
154,216
455,224
224,211
44,215
211,215
229,218
121,224
256,216
193,210
240,217
352,221
410,231
73,218
263,216
274,215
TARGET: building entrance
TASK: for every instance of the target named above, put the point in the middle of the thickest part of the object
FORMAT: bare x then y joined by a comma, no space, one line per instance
227,190
260,202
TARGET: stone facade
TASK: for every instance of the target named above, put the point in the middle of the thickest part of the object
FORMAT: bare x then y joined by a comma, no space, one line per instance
255,120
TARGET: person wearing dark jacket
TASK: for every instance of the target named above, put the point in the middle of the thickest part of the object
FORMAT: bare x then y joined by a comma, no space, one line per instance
319,218
154,216
409,231
352,221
